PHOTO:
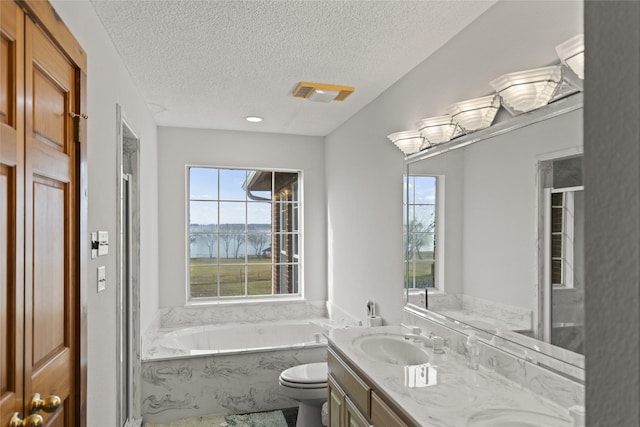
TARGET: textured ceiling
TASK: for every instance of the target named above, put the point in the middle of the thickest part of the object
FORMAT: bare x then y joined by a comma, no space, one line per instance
208,64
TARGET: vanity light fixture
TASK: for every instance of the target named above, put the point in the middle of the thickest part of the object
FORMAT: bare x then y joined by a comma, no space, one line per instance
571,53
409,141
475,114
436,130
253,119
528,90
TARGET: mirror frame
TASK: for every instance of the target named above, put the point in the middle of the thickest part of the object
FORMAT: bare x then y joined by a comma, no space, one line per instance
557,359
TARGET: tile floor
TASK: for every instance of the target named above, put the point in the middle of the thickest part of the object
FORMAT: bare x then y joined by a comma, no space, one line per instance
218,420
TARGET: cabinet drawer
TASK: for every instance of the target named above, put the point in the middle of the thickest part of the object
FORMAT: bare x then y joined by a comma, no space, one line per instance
382,415
354,387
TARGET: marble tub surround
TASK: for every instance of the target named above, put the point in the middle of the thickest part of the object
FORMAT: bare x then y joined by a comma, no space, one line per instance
458,393
550,377
238,383
194,315
233,338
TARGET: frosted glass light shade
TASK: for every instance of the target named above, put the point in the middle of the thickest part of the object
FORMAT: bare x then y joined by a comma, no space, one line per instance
571,53
475,114
437,130
528,90
409,141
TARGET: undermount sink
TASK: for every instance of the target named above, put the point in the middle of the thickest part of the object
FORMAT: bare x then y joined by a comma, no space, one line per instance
515,418
392,349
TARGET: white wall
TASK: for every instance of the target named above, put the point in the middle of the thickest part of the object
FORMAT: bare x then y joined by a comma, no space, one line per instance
108,84
364,170
178,147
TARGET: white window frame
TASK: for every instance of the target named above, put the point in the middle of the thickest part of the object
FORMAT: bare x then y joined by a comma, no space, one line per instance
297,266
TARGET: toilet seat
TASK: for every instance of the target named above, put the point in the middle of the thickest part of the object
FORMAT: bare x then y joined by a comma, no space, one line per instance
309,376
303,386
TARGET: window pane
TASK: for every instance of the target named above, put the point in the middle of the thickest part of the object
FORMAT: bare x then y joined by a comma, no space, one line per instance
203,246
232,279
286,186
425,190
423,274
259,185
285,279
259,246
232,217
203,183
231,183
287,247
203,277
259,279
231,246
423,246
259,216
204,215
295,209
425,217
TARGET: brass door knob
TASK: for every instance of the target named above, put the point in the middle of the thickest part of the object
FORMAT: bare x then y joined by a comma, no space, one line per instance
32,420
48,404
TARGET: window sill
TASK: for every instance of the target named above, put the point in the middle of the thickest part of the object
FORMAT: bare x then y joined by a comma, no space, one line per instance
243,300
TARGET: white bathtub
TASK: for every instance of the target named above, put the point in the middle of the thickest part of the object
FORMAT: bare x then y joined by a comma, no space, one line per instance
243,337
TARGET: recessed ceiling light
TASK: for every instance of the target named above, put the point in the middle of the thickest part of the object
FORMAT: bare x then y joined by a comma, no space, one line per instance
253,119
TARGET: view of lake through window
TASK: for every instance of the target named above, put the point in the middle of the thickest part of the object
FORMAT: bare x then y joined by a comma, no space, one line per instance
243,232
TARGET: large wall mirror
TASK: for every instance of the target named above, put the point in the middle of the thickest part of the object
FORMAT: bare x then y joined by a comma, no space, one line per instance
493,232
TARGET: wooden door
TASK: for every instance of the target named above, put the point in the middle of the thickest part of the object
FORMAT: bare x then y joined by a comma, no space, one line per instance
42,88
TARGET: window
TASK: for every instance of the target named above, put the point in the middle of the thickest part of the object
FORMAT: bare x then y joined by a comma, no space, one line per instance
244,233
420,231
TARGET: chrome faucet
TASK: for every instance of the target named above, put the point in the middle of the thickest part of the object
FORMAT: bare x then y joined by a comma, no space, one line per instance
434,341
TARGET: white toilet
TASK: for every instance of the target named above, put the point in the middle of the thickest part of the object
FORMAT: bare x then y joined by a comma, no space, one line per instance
306,384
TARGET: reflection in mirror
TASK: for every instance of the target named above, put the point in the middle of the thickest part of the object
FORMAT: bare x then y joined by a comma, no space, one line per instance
493,236
562,225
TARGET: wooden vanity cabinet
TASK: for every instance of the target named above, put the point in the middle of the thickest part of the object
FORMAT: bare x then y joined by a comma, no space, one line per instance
353,402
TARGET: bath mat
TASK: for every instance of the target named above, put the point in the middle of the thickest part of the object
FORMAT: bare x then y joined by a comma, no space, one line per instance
202,421
257,419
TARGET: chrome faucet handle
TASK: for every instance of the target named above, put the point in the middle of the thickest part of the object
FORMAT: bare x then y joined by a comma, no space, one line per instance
416,330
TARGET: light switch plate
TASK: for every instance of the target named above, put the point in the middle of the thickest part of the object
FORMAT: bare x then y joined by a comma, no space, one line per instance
103,243
102,278
94,244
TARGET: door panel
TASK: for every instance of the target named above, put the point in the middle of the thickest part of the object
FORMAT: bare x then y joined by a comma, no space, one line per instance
49,278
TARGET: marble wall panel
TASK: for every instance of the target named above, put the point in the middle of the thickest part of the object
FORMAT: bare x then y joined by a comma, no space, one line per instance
188,387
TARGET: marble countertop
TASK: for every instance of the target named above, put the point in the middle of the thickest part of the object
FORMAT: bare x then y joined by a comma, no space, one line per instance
459,395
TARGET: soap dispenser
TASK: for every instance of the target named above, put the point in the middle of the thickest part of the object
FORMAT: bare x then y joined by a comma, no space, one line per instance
473,351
